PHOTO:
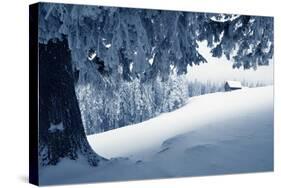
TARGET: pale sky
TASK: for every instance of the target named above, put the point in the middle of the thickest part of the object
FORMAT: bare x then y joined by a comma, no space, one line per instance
220,69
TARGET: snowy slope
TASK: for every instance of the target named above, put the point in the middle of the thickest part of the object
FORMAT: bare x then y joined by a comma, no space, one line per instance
212,134
237,113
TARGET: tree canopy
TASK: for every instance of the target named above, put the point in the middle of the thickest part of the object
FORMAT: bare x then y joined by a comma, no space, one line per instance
146,43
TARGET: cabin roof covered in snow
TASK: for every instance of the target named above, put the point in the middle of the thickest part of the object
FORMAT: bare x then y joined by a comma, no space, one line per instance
233,84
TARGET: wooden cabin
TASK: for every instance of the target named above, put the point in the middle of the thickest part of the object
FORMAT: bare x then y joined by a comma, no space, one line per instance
232,85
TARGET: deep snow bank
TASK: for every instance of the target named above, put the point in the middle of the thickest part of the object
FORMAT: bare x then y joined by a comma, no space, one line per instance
213,134
238,112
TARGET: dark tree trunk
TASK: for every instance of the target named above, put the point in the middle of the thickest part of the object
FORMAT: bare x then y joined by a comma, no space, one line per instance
61,132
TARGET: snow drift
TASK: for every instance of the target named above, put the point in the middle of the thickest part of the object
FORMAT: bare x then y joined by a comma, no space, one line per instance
237,113
228,132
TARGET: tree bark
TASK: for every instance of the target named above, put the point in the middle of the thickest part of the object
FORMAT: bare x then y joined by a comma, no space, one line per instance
61,132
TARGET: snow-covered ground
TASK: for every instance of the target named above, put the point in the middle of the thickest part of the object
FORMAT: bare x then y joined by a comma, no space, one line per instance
228,132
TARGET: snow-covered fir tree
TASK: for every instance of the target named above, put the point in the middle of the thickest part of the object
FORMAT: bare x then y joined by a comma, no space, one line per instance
133,52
